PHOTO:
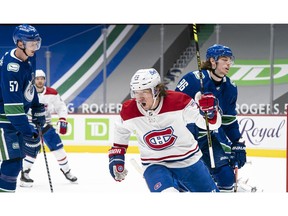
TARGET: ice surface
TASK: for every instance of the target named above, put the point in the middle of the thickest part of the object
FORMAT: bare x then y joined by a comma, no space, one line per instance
96,191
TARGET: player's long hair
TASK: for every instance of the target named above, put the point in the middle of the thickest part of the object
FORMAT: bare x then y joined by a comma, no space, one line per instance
206,65
161,89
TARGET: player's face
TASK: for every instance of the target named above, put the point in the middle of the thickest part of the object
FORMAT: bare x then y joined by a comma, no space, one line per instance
145,98
39,82
31,47
223,66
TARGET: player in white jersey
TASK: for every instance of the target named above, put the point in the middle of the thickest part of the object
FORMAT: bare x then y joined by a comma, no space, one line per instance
169,152
53,103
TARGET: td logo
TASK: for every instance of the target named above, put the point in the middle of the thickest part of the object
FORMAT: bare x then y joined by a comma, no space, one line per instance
97,129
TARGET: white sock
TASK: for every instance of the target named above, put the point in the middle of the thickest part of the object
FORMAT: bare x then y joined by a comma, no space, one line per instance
62,159
28,162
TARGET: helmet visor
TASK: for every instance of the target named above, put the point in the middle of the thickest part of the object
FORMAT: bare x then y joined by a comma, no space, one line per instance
140,93
33,45
228,60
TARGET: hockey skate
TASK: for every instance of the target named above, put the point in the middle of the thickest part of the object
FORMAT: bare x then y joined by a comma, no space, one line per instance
68,175
243,186
25,180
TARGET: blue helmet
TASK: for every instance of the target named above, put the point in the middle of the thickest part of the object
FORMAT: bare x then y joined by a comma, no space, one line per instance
26,33
218,50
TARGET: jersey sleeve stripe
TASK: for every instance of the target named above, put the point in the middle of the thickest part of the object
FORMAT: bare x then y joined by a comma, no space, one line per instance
14,109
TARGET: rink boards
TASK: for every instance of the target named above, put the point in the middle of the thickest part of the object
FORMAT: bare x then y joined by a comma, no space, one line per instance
265,135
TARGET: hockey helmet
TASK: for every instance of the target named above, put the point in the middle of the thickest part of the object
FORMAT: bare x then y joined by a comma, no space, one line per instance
27,33
218,50
40,73
145,79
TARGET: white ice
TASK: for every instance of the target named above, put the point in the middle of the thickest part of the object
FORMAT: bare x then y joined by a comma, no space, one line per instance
96,191
268,174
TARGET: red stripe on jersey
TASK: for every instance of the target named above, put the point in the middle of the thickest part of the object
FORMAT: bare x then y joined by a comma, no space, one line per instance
175,101
172,102
130,110
169,157
51,91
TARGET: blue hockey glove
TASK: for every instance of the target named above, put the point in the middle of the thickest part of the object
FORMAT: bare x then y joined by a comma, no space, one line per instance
207,103
117,163
33,140
62,126
38,115
238,153
31,149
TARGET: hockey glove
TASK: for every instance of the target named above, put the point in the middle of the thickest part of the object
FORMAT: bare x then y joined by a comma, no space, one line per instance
62,126
38,115
117,163
31,149
238,154
33,140
207,104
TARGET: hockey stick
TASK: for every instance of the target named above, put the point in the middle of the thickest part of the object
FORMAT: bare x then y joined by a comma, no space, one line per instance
45,157
236,177
136,166
202,91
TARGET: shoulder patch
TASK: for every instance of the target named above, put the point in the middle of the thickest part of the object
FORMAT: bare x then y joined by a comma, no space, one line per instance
130,110
232,83
14,67
197,74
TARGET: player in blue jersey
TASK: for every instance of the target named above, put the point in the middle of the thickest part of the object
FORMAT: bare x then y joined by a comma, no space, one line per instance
228,146
17,95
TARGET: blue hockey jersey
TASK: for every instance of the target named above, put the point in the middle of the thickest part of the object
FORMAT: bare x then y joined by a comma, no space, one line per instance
226,93
17,92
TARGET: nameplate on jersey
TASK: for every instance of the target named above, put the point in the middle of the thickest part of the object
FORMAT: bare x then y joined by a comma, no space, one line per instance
14,67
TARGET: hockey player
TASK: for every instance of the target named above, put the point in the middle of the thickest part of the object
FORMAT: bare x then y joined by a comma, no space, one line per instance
219,59
17,95
53,103
169,153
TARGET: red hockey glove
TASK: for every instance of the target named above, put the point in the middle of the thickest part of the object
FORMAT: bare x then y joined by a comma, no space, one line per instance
207,104
62,126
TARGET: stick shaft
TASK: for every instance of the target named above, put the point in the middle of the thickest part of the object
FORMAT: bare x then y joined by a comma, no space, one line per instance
45,157
236,177
202,91
136,166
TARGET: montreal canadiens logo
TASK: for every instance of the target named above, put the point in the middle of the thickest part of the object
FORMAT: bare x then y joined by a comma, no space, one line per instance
160,139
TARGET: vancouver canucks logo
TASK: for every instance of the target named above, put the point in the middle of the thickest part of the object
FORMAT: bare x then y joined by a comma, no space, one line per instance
29,92
14,67
197,75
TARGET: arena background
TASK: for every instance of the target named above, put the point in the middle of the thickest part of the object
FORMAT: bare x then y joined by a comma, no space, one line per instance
146,12
91,66
73,57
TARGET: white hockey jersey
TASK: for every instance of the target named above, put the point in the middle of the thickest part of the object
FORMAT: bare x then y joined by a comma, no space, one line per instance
162,133
53,103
